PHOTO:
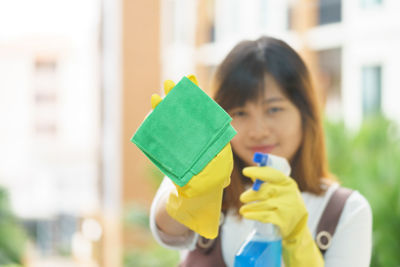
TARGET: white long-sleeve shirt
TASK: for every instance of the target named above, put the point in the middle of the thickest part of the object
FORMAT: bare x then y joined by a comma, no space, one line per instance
351,243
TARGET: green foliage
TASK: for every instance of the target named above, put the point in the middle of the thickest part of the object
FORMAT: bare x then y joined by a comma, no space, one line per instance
12,236
137,215
152,254
369,161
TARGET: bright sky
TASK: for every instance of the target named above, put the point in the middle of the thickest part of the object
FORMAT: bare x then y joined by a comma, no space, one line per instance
21,18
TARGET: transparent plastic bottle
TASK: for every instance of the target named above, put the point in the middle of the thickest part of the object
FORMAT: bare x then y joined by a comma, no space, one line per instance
263,247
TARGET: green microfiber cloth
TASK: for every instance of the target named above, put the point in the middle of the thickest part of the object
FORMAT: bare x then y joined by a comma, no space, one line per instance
184,132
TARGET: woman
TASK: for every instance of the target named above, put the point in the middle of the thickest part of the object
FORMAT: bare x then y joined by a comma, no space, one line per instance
266,88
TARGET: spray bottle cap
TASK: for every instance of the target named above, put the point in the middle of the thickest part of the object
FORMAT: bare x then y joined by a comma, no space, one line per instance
261,159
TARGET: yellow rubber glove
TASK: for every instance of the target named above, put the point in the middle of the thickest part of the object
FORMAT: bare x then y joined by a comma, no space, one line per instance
278,201
197,205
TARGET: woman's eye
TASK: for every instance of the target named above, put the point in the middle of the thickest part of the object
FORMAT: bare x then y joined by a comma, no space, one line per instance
239,113
274,110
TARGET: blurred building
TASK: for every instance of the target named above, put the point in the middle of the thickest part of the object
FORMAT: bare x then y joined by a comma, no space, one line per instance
350,46
357,46
76,80
50,120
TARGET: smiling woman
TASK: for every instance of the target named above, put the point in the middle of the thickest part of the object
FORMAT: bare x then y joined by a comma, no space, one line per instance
265,86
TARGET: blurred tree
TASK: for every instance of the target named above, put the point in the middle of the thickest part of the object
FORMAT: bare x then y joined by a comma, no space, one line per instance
136,216
12,235
368,161
149,254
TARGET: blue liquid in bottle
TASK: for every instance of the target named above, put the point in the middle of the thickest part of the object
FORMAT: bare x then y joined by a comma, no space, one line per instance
263,247
258,250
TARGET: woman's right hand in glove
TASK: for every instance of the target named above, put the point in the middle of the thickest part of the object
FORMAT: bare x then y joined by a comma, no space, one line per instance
197,205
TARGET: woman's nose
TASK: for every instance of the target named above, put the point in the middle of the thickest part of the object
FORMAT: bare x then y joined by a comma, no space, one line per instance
259,129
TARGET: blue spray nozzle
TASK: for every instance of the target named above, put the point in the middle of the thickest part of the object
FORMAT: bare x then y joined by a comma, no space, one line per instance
261,159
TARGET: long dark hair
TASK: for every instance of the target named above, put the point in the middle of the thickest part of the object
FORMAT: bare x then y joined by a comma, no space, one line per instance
240,78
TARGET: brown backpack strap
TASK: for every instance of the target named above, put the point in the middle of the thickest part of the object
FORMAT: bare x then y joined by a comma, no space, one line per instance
330,218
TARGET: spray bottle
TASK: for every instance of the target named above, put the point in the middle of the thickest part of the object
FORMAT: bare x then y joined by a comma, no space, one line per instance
263,247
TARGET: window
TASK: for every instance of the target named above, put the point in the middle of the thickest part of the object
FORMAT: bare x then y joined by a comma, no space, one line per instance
210,18
330,80
370,3
52,236
289,18
263,15
330,11
371,89
45,96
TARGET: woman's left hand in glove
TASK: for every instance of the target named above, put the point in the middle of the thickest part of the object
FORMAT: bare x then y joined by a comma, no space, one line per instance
279,201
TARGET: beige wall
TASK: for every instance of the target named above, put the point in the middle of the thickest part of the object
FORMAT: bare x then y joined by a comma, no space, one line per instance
305,17
141,78
205,16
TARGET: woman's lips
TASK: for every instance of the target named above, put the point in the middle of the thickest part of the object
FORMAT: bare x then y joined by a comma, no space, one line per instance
262,149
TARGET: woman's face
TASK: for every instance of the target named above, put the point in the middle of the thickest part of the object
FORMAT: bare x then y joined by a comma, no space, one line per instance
271,124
